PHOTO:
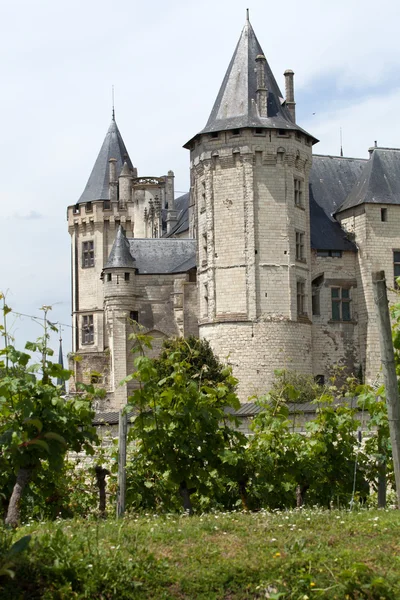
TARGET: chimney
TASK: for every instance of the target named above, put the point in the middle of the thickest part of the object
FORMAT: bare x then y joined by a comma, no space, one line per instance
289,91
262,92
113,183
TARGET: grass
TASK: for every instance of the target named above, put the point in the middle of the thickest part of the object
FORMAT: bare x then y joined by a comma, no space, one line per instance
296,555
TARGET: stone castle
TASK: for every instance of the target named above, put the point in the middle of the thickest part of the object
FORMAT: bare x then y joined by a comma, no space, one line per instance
269,256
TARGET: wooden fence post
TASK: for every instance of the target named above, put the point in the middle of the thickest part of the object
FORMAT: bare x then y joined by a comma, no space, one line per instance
389,370
122,434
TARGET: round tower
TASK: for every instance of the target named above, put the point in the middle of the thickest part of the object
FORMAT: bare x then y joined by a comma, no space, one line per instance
118,277
249,184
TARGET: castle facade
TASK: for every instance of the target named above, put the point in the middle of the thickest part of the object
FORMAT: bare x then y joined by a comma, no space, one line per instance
269,256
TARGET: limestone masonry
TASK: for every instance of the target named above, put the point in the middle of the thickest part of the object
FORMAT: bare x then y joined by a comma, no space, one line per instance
269,256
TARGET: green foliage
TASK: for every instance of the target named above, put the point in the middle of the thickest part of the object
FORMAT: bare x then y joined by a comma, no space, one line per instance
183,427
37,425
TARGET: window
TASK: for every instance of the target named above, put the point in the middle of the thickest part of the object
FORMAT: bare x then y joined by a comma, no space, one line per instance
87,329
300,246
329,253
109,276
215,135
205,291
76,210
396,267
235,131
340,304
298,192
301,298
259,131
134,315
320,379
89,207
384,212
126,276
107,205
88,254
283,133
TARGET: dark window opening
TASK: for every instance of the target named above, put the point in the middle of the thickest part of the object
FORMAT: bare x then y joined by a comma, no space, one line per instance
283,133
300,246
298,192
384,214
134,315
316,291
215,135
76,210
320,379
235,131
89,207
87,329
301,298
329,253
88,254
126,276
107,205
259,131
340,304
396,267
109,276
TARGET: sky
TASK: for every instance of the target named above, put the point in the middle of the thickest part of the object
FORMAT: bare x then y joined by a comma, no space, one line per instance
166,61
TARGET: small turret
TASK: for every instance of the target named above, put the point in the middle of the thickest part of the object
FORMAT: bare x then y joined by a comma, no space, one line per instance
119,304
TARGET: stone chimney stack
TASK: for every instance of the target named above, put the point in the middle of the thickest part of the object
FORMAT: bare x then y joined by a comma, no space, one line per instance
262,92
289,91
113,182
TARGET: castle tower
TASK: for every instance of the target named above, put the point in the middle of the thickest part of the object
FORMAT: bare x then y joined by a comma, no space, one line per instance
249,186
93,223
119,304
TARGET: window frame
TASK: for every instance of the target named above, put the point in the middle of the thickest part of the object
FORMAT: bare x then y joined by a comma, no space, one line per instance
298,192
87,254
301,298
87,330
396,263
300,245
339,302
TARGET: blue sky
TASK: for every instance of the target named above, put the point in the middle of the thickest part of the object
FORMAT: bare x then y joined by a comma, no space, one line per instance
166,61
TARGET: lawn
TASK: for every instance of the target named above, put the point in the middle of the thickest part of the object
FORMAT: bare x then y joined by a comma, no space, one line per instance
295,555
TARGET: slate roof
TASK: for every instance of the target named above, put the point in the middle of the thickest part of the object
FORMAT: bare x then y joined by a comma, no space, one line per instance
247,409
163,255
97,187
331,180
379,182
120,256
182,206
235,106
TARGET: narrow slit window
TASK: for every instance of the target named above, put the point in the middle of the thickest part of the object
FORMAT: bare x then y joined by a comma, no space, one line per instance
384,214
396,267
301,298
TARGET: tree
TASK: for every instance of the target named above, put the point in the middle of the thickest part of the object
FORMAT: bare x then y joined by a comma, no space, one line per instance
183,422
37,425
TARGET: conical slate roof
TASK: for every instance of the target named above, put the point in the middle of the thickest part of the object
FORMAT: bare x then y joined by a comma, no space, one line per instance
120,256
379,181
235,106
97,187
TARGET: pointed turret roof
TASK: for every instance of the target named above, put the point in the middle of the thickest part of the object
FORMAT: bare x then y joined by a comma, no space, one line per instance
235,106
97,187
120,256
